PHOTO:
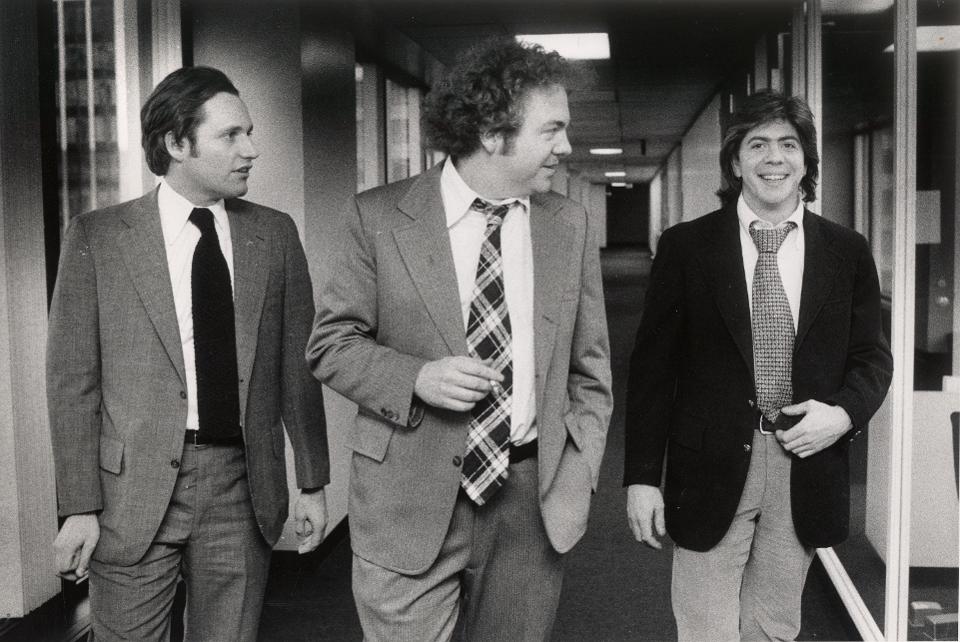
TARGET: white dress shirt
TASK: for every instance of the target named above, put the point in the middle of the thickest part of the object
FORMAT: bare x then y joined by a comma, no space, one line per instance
789,257
467,229
180,238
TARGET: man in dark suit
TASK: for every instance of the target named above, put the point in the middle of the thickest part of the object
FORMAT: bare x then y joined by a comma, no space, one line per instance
174,361
464,315
759,356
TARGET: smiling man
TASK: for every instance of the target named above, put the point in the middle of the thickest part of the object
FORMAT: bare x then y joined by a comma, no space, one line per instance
175,349
464,315
760,355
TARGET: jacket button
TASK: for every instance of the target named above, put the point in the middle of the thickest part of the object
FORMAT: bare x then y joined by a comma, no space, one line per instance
751,403
183,395
457,460
174,463
746,448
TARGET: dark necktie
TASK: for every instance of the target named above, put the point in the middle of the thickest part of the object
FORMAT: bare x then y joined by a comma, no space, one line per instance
214,334
772,322
488,338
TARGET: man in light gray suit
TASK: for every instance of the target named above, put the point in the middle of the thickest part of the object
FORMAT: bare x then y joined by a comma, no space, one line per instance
174,361
464,315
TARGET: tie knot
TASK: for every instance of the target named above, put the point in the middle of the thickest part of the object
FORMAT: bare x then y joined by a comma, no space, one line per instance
203,219
769,239
494,213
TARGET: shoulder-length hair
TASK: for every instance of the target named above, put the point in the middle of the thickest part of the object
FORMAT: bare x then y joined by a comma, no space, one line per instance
761,108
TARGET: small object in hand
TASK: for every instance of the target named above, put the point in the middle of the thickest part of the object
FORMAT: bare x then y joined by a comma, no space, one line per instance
71,576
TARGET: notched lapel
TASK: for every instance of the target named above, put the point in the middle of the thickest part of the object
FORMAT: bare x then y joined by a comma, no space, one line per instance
145,257
821,263
424,247
723,266
551,238
250,276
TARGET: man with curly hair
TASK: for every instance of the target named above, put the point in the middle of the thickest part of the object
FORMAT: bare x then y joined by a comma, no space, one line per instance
464,315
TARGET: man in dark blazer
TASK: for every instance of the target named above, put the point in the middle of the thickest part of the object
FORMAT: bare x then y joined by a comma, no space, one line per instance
759,356
174,362
441,313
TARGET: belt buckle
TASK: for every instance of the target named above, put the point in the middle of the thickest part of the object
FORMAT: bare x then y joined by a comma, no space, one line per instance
762,420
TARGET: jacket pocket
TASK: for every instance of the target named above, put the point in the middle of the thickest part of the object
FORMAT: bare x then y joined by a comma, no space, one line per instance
370,437
111,455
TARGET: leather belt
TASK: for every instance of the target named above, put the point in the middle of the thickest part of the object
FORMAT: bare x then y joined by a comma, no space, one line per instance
194,438
524,451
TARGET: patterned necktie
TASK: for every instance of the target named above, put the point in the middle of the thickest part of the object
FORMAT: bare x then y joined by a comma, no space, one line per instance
214,334
488,338
772,323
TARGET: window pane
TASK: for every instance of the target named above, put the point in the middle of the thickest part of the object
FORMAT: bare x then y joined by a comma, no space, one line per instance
86,105
857,191
936,397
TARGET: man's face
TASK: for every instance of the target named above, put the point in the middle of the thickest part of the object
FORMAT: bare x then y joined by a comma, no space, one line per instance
532,156
218,163
771,164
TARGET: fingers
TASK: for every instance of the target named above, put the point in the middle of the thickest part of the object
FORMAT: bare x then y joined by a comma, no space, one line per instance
659,521
86,552
476,368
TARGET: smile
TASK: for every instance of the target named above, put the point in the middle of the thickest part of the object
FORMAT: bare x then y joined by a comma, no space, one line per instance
774,178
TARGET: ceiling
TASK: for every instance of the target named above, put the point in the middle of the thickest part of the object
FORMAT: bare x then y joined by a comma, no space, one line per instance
668,59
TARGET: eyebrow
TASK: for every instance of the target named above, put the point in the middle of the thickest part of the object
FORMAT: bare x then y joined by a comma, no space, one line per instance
769,138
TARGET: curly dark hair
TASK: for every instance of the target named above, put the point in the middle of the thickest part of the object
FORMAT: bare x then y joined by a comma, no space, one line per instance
485,91
759,109
176,105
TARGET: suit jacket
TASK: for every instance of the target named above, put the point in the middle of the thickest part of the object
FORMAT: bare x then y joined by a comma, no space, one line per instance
692,382
391,304
116,381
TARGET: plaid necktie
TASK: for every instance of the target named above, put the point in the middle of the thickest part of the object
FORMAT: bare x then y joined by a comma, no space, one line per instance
772,322
488,338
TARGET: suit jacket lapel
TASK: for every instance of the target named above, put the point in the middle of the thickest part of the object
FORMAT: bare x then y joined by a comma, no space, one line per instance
250,275
820,265
551,239
724,265
424,246
145,257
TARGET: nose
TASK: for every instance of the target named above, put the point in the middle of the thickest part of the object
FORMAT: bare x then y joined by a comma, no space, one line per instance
774,154
562,146
249,150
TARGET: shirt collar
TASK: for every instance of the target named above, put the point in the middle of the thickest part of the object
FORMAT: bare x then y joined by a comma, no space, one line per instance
458,196
175,213
748,216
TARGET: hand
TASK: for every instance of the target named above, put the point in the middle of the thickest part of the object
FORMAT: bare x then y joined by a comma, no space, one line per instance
310,517
821,426
455,383
75,543
645,514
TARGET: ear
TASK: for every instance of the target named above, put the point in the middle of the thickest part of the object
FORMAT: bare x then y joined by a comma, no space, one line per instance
178,149
491,141
735,165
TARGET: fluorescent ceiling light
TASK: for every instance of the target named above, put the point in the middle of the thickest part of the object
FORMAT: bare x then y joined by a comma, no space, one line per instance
573,46
942,38
614,174
618,184
606,151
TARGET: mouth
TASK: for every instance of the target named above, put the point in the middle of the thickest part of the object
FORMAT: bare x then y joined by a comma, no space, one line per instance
773,179
244,171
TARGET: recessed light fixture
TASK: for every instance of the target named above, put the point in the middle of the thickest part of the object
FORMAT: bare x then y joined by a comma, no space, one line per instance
614,174
606,151
573,46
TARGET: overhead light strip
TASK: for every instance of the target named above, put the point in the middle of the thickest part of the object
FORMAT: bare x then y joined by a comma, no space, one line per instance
573,46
